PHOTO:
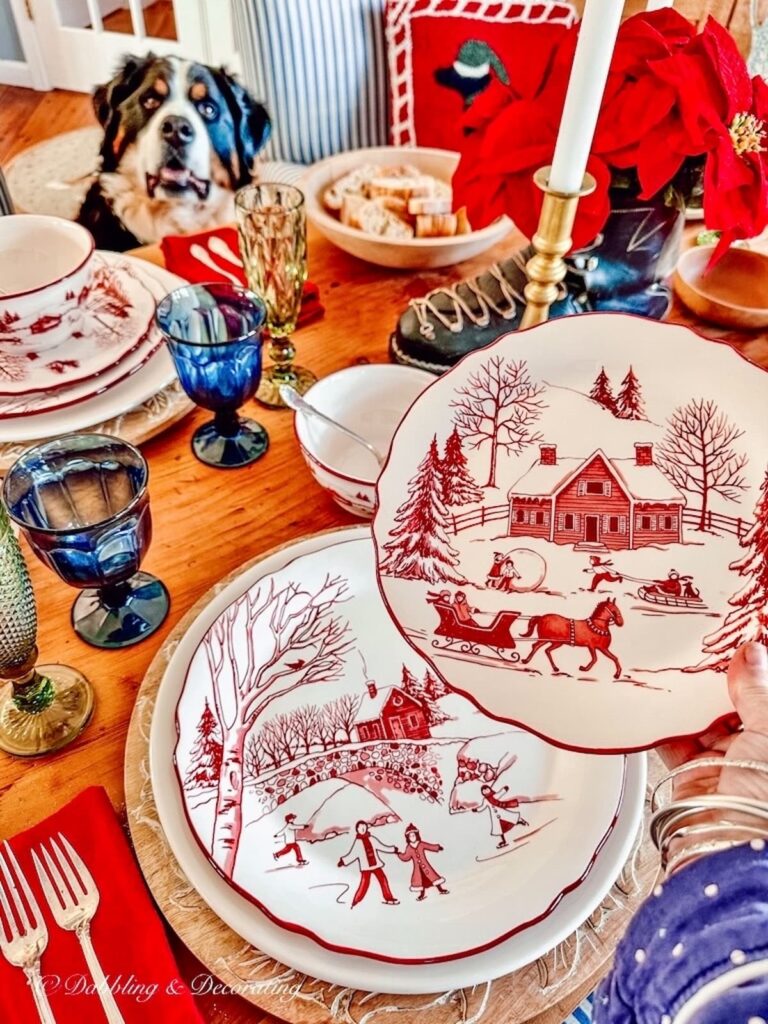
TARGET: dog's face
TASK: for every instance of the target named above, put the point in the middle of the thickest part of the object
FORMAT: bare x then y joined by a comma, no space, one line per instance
180,131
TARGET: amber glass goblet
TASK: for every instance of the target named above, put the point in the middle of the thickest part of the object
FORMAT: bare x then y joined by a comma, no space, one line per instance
272,228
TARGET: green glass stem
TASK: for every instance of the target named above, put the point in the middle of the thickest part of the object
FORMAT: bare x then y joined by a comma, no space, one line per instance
34,696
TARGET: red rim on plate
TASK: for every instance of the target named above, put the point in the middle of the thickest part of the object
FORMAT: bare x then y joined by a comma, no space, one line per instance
101,317
672,591
429,773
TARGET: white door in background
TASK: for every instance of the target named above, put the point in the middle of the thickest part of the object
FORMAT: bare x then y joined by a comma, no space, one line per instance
81,42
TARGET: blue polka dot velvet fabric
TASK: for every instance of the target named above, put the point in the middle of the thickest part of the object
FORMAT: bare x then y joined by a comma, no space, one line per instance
697,951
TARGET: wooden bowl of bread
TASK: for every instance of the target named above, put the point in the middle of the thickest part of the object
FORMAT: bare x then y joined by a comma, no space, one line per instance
394,207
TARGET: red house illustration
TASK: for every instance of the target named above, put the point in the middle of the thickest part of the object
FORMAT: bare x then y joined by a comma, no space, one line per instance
391,714
596,502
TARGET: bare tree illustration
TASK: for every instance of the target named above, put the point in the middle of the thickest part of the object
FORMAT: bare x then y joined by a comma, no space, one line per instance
306,722
326,730
255,758
343,714
287,737
269,740
498,407
698,455
267,644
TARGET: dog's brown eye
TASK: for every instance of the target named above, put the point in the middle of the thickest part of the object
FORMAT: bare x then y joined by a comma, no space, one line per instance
150,101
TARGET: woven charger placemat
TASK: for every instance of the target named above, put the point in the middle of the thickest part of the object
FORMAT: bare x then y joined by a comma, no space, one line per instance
544,991
137,425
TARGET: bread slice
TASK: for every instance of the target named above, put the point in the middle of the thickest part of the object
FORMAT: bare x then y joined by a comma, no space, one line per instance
351,208
354,182
429,204
436,225
403,187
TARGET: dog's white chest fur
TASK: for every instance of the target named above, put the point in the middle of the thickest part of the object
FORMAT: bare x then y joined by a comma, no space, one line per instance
152,219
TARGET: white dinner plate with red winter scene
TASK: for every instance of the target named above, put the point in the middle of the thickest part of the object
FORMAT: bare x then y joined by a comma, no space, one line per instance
111,320
573,528
334,781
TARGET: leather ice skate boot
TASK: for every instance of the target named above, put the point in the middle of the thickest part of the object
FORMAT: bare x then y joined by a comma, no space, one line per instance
622,270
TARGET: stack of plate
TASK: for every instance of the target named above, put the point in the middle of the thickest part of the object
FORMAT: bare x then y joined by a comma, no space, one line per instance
79,349
292,711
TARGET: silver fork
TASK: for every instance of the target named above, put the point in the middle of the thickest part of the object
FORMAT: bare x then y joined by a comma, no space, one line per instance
73,904
28,934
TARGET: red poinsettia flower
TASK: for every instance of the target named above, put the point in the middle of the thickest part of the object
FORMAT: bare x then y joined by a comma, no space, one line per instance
637,105
723,114
511,132
671,95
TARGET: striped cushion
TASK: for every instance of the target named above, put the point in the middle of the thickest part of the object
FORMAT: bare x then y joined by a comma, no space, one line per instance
320,69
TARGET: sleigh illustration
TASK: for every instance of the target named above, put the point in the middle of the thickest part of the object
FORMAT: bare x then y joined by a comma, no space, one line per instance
471,638
653,595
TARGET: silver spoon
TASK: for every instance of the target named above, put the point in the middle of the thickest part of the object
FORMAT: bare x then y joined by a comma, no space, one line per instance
294,401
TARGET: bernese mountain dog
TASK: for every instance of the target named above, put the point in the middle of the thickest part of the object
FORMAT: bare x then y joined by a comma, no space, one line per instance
179,139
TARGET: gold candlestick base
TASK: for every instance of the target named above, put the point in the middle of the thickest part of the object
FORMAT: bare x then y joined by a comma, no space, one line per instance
546,268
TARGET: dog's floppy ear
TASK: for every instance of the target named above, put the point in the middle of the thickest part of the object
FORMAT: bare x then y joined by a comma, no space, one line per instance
107,98
252,124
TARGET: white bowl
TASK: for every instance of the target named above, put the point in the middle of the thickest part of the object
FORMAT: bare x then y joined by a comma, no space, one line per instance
45,262
408,253
371,400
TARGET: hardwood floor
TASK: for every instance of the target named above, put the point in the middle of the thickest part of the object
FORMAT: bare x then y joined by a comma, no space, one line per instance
27,117
159,21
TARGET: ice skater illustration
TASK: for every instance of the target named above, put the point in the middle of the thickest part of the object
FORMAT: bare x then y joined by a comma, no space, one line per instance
423,875
288,833
601,572
504,813
366,850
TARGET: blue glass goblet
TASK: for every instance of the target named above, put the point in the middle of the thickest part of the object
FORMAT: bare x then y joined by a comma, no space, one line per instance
83,505
213,332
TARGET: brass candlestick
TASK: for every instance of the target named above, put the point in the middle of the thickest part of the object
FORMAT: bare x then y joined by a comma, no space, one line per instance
546,268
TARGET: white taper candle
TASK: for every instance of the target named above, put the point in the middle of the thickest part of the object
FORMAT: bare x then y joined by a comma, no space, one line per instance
597,38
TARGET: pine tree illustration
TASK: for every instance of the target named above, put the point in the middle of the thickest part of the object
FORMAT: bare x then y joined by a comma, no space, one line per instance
458,486
206,755
629,401
419,548
411,684
432,689
748,619
434,686
602,392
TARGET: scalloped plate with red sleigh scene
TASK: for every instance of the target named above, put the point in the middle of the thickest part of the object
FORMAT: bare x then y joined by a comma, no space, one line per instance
573,528
335,782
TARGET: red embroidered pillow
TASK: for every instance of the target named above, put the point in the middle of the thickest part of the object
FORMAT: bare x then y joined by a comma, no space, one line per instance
443,53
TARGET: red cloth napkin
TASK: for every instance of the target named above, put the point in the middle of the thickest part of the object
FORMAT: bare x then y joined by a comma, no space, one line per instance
127,933
177,250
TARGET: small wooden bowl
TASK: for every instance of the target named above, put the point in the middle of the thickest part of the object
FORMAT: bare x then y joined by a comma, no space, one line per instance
734,293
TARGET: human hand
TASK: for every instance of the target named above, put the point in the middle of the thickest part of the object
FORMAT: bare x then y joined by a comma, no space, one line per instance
439,848
743,736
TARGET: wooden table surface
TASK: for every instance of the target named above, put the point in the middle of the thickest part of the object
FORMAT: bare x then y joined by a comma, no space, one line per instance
206,523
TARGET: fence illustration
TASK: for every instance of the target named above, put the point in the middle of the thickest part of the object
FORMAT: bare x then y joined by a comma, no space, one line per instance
734,525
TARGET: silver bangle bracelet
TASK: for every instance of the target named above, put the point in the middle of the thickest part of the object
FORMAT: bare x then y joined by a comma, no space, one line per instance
682,857
723,833
674,812
679,820
706,762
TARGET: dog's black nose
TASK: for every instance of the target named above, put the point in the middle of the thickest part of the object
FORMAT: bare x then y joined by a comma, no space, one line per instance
177,130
